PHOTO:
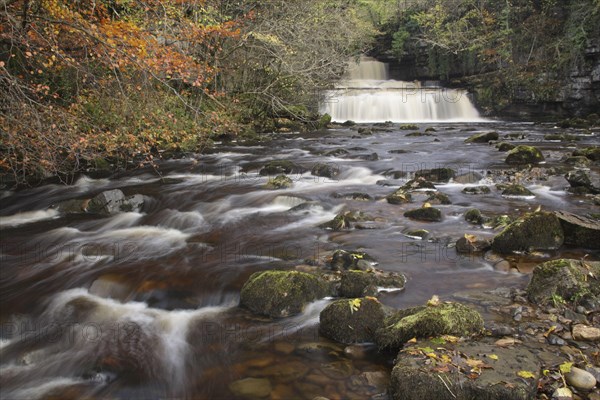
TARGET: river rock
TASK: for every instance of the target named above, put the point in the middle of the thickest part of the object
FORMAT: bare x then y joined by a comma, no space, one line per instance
344,220
343,260
250,388
475,217
427,321
580,231
362,283
113,202
516,191
580,379
399,196
352,320
326,170
566,280
73,206
580,179
468,178
436,175
438,198
483,137
476,190
418,184
279,182
586,333
111,287
593,153
469,244
535,231
279,294
428,214
562,393
505,146
280,167
524,155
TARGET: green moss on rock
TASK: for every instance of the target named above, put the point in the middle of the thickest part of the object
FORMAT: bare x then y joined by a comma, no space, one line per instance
355,283
580,231
278,167
279,294
535,231
570,280
476,190
483,137
474,216
279,182
436,174
428,214
400,196
352,320
524,155
425,321
516,190
343,260
504,146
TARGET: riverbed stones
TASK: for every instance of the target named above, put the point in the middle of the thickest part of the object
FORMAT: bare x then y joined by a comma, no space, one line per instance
535,231
250,388
342,260
524,155
468,178
464,371
428,321
580,231
427,214
580,379
505,146
352,320
586,333
280,167
483,137
279,182
328,170
344,220
114,201
564,280
517,190
279,294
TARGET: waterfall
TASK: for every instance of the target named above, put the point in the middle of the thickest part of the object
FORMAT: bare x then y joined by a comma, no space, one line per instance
368,95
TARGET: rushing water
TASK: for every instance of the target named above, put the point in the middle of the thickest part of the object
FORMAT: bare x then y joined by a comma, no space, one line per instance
144,304
368,95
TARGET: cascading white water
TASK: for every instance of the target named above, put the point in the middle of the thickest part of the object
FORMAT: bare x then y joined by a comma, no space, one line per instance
367,96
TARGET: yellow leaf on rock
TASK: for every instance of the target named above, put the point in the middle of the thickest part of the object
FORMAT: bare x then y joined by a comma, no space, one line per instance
526,374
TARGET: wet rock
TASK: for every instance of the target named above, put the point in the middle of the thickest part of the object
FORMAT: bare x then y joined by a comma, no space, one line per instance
516,191
436,174
376,379
338,369
284,372
580,231
279,182
504,146
400,196
564,280
352,321
563,393
475,217
337,153
524,155
355,196
343,260
580,379
344,220
415,379
580,179
438,198
326,170
418,234
358,284
476,190
74,206
111,287
469,177
578,161
483,137
535,231
418,184
280,294
428,214
469,244
399,151
586,333
280,167
408,127
113,202
356,351
592,153
427,321
368,157
251,388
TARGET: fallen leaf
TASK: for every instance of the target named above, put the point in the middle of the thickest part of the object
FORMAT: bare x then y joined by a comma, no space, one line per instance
506,342
441,368
549,331
526,374
493,356
413,340
434,301
450,339
565,367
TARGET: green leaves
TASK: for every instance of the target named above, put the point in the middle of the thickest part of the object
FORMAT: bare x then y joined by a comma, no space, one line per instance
354,305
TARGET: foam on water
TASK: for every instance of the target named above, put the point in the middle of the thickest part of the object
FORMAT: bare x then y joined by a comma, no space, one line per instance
28,217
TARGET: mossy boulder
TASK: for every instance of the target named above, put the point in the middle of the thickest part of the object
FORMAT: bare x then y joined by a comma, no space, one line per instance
352,320
476,190
483,137
326,170
279,294
418,184
580,231
279,182
417,234
516,190
355,283
505,146
567,280
324,120
408,127
593,153
280,167
580,181
114,201
399,196
535,231
469,244
428,321
342,260
524,155
436,174
344,220
475,217
415,377
427,214
438,198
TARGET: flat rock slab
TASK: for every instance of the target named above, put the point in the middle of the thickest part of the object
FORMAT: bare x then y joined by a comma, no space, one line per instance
464,371
579,230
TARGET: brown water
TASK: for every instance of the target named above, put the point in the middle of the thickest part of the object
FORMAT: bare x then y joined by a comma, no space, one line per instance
179,264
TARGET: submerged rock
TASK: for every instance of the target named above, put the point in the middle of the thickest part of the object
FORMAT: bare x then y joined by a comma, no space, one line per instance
436,174
535,231
438,198
352,320
466,375
251,388
580,231
279,294
517,191
326,170
564,280
524,155
483,137
580,379
343,260
279,167
418,184
428,321
476,190
469,177
475,217
428,214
